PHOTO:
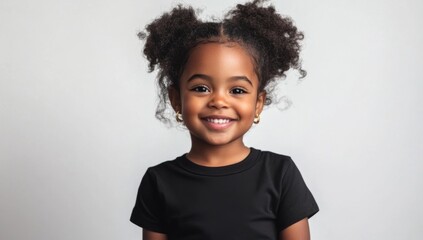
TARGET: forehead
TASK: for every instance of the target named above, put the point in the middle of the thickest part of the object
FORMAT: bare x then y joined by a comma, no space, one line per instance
220,59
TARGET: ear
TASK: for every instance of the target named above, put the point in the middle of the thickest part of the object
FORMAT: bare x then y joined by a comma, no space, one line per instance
261,100
174,98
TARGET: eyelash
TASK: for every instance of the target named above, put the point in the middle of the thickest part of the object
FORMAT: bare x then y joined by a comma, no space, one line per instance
235,91
239,90
202,87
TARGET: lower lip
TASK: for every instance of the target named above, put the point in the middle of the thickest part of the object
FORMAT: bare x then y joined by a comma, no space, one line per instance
217,126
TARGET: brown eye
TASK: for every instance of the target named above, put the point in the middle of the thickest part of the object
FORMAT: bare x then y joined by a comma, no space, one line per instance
238,91
200,89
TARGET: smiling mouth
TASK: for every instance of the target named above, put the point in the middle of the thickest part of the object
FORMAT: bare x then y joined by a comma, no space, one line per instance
218,120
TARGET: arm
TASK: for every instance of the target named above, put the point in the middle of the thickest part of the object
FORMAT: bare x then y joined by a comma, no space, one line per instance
150,235
297,231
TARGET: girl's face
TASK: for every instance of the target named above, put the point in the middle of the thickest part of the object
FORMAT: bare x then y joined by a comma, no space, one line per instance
218,96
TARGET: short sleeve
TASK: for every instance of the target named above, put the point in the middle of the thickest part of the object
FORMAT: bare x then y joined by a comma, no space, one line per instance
147,212
296,201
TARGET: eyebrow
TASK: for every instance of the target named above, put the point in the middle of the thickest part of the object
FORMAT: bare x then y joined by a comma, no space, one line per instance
209,78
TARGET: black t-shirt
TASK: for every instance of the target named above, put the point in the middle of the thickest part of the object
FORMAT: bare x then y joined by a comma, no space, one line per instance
255,198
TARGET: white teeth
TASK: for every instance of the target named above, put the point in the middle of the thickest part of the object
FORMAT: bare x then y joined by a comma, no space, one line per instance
218,121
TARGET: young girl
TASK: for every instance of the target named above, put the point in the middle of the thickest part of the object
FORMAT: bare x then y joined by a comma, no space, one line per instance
216,77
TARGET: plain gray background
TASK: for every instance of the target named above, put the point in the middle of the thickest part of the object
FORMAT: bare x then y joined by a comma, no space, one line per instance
77,126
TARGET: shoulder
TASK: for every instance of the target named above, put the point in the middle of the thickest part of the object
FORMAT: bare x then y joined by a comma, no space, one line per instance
273,155
164,168
275,159
276,164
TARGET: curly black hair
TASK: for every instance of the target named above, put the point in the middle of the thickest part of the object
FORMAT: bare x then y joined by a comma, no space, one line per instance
271,39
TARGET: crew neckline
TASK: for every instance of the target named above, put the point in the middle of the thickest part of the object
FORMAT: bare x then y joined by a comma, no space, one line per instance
240,166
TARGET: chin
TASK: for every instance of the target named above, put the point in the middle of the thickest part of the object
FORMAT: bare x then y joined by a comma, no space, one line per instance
219,141
216,142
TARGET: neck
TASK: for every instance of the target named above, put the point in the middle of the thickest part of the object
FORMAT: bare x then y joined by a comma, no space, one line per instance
217,155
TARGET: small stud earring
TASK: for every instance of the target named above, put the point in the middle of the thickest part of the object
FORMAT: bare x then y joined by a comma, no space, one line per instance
178,117
256,119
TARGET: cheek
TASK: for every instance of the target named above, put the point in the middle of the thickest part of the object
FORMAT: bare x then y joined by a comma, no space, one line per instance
247,108
190,105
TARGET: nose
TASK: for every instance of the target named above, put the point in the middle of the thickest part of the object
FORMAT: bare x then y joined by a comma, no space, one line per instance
218,99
